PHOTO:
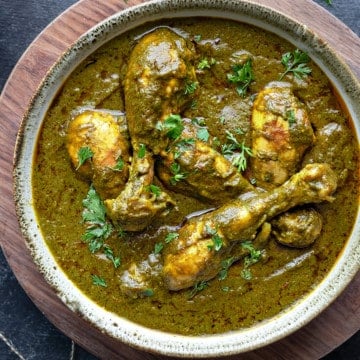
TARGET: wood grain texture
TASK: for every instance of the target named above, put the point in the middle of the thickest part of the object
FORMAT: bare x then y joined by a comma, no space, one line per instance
311,342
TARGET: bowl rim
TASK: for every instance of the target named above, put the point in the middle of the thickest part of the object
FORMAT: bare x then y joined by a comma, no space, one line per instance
130,333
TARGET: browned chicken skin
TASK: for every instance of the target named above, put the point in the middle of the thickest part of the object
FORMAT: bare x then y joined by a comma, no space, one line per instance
281,132
105,134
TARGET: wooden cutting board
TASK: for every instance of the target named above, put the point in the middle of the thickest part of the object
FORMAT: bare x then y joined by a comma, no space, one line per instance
330,329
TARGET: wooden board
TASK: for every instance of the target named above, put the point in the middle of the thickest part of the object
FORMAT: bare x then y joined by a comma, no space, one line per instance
335,325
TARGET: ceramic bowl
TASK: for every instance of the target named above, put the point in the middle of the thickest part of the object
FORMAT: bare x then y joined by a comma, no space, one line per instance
130,333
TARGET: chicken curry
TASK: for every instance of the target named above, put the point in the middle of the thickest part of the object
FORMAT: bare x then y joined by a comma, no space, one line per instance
190,176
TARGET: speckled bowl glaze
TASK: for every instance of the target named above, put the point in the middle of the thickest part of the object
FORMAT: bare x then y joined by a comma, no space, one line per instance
130,333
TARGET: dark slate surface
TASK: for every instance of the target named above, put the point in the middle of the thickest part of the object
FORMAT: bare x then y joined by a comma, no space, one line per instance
24,331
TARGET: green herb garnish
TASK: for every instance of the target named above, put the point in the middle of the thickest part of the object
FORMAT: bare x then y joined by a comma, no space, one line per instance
177,174
142,151
200,286
98,281
225,265
290,116
84,154
217,240
171,236
242,76
203,134
156,190
252,258
190,87
236,152
158,248
110,255
172,125
94,208
119,166
296,63
98,228
206,64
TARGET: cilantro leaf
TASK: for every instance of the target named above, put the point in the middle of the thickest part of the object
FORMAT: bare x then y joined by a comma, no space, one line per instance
119,164
203,134
242,76
172,125
98,281
142,151
158,248
94,208
200,286
171,236
190,87
154,189
252,258
84,154
295,62
236,152
177,174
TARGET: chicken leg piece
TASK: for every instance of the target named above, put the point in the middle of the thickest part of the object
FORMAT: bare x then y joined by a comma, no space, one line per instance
157,81
192,257
105,134
208,175
159,70
281,132
136,206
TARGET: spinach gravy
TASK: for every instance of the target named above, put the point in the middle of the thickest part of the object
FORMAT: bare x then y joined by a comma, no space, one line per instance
206,139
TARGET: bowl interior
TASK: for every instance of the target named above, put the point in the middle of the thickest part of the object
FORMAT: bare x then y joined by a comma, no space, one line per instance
122,329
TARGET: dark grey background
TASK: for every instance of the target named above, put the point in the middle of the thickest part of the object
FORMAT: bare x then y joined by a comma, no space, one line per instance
24,331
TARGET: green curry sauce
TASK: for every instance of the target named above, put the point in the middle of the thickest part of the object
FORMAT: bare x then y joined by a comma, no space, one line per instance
283,275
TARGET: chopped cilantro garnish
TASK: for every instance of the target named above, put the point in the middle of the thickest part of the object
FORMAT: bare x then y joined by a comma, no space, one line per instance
242,76
190,87
119,164
252,258
158,248
154,189
98,281
203,134
296,63
171,236
172,125
84,153
142,151
177,174
200,286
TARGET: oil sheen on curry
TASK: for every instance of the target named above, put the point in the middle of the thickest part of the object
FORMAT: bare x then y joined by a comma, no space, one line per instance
196,176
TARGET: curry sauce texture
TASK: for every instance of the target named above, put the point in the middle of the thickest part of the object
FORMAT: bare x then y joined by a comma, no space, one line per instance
196,176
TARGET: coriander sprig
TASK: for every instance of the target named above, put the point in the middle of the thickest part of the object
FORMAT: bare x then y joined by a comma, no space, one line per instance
237,152
253,257
295,62
98,281
98,227
172,126
199,286
242,76
177,174
84,154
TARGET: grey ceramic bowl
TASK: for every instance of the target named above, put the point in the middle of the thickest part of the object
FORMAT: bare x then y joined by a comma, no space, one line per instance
130,333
